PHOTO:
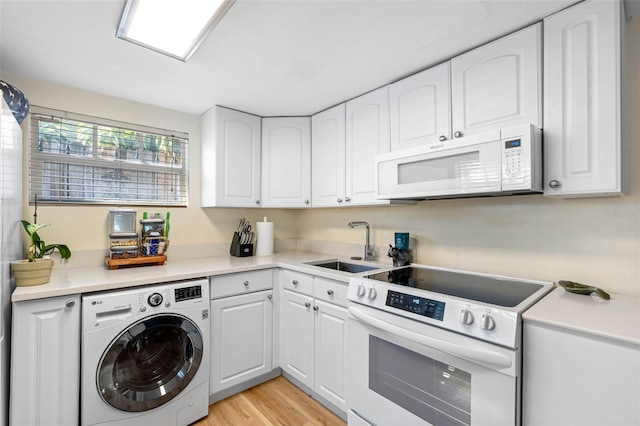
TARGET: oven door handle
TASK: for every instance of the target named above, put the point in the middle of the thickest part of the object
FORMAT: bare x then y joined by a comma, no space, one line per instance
472,354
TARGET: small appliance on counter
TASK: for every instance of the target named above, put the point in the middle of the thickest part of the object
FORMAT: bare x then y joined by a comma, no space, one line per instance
243,238
129,248
123,237
401,253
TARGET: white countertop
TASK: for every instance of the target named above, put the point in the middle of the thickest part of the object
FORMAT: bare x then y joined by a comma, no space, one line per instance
68,281
617,318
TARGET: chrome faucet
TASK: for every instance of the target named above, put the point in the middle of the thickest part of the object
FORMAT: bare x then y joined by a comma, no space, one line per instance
369,250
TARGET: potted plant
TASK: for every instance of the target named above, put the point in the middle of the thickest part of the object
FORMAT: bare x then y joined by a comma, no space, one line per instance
37,268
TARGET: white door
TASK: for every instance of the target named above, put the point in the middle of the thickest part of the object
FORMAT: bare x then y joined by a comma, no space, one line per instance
328,157
420,108
499,84
230,159
331,353
241,339
296,351
582,104
45,362
367,135
286,162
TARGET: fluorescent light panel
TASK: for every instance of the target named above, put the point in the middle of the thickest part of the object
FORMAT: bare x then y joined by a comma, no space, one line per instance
173,27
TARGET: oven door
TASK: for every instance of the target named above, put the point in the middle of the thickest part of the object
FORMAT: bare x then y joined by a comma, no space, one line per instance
402,372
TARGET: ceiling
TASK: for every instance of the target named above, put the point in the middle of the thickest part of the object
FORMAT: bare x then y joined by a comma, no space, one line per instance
266,57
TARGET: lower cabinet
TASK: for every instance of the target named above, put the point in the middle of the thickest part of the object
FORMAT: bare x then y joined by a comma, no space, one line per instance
330,353
241,329
314,336
296,354
45,362
575,378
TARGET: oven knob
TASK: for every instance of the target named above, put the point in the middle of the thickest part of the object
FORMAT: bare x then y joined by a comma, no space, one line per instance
466,317
361,291
372,293
487,322
155,299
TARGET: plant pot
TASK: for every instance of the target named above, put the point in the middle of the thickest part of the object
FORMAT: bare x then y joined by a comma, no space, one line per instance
31,273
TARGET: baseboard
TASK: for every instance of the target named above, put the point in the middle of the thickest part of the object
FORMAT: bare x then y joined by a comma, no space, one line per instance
226,393
304,388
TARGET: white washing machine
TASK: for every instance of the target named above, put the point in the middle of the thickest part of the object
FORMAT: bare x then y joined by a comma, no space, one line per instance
145,355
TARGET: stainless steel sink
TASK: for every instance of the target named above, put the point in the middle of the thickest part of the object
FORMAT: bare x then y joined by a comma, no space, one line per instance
338,265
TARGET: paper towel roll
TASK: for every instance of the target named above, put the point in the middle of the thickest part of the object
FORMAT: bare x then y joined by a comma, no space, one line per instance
265,239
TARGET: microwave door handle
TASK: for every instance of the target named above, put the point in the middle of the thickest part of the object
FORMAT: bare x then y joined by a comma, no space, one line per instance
472,354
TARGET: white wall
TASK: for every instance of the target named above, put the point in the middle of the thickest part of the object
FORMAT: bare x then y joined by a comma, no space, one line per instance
594,241
85,228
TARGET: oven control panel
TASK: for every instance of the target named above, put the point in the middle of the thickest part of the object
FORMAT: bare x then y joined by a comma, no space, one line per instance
483,321
416,304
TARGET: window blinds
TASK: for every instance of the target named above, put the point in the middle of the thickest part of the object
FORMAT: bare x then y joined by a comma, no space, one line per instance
77,159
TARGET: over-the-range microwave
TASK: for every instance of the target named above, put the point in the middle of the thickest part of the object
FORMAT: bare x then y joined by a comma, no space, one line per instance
500,162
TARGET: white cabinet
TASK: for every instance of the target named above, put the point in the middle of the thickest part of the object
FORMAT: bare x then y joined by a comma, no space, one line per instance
572,378
297,336
241,328
243,348
286,162
499,84
582,100
367,128
420,108
230,159
330,355
45,362
328,157
314,335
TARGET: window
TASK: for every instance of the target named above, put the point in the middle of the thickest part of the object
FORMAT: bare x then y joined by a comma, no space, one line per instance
77,159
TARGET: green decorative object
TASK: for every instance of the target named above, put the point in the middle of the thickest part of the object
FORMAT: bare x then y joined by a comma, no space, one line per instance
577,288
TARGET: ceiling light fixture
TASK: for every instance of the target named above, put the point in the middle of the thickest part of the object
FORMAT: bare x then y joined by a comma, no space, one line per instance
173,27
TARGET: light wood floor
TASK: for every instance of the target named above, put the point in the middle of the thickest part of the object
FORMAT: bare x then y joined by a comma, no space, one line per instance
276,402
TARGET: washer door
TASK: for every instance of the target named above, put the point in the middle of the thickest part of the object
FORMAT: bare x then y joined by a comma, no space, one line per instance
150,362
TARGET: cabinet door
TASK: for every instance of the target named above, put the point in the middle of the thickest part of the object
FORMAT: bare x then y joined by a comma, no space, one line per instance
328,157
45,362
241,339
367,135
420,108
557,391
499,84
331,353
286,162
230,156
296,350
582,104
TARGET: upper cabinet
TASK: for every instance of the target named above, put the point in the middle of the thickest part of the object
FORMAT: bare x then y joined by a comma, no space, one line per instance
286,162
230,156
498,85
582,100
328,157
420,108
367,135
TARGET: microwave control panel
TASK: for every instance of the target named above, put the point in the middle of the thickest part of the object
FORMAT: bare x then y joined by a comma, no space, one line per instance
514,162
521,159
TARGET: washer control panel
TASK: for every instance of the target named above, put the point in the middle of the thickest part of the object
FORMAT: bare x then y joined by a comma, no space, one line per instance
104,308
188,293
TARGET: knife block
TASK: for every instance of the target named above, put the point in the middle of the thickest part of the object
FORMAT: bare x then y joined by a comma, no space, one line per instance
240,250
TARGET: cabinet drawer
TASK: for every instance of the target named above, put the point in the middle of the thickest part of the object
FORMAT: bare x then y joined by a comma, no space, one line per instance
240,283
296,281
330,291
